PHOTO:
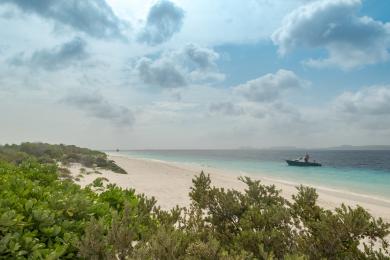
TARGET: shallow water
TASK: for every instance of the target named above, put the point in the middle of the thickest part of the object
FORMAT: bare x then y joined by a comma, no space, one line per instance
363,172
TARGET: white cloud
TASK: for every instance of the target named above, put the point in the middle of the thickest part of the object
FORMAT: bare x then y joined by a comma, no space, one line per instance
372,101
270,87
236,22
350,40
195,109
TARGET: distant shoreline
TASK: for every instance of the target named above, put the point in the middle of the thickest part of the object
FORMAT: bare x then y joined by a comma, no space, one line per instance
336,148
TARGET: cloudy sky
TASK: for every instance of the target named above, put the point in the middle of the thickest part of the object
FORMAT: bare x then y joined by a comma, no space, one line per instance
195,74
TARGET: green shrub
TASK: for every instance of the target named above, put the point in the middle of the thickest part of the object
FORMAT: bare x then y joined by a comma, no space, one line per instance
49,153
43,216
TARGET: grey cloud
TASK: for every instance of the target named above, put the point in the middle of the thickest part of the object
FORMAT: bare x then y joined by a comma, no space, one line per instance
161,73
226,108
255,110
175,94
278,117
174,69
367,108
59,57
93,17
258,112
350,40
202,58
96,106
280,111
164,20
202,63
7,14
269,87
373,101
3,48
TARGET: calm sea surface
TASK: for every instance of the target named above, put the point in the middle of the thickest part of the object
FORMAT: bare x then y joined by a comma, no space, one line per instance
363,172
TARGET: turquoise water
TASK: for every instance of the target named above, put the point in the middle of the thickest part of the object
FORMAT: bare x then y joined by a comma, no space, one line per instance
352,171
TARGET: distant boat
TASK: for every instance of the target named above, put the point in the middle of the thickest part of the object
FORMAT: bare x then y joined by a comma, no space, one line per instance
301,163
117,150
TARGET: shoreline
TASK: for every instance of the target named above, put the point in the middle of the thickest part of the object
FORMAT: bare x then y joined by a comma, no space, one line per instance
350,182
170,182
261,175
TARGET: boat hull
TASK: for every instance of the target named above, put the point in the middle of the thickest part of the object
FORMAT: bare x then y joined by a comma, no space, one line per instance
302,164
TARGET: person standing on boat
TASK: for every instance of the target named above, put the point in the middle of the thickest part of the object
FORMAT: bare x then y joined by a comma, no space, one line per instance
306,158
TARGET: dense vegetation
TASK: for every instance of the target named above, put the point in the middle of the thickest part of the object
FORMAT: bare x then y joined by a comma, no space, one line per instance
49,153
45,217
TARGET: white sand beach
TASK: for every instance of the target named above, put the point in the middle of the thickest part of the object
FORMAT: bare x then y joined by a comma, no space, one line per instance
170,184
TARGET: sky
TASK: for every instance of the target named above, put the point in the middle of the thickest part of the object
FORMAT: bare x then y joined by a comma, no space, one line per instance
182,74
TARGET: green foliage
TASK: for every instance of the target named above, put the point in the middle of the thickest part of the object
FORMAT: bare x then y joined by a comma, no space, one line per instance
261,224
116,197
40,216
99,182
64,173
118,238
49,153
200,190
45,216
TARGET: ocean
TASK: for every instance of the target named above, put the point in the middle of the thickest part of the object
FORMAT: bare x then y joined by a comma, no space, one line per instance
363,172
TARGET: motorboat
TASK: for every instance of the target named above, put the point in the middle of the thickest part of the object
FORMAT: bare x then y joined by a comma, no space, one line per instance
302,163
